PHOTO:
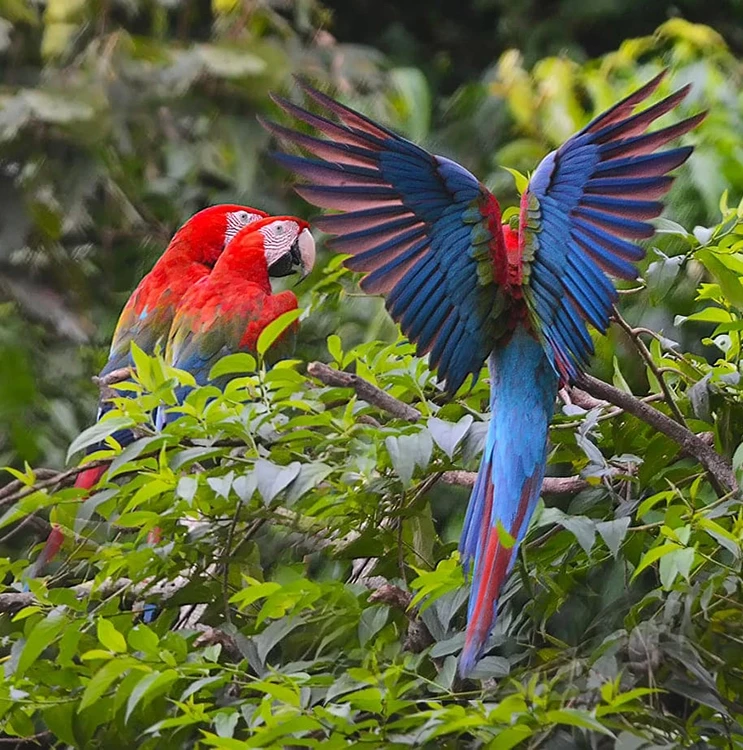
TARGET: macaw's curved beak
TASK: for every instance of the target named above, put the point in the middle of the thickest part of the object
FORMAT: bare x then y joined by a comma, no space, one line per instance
301,256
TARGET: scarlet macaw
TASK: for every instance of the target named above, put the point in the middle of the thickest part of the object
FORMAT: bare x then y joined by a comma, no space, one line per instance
465,288
226,311
148,314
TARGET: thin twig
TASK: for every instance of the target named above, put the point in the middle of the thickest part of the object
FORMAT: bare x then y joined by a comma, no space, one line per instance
58,479
719,469
226,563
365,390
648,357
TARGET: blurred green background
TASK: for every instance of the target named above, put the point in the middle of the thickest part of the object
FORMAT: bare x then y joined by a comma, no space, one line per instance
119,119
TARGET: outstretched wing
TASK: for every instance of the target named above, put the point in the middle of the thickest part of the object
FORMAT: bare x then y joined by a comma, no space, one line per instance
585,206
422,228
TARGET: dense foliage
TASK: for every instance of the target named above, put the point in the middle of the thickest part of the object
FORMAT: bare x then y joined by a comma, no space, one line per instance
307,579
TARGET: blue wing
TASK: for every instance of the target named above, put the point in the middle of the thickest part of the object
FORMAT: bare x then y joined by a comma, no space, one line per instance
419,225
585,205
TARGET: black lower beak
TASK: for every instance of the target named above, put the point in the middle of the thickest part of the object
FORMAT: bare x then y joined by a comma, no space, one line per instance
287,264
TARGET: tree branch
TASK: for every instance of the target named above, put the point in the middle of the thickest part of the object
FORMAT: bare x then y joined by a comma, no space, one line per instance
397,408
719,469
644,352
365,390
58,478
550,485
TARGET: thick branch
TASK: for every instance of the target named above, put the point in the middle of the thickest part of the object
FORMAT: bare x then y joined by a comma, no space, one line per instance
550,485
365,390
719,469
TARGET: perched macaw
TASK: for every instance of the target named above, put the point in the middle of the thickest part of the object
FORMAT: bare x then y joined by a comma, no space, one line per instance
148,314
466,289
226,311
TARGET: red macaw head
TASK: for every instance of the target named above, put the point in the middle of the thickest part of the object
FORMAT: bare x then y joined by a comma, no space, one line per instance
208,232
284,243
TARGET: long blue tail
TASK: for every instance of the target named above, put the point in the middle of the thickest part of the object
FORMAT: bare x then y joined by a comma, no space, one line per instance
523,386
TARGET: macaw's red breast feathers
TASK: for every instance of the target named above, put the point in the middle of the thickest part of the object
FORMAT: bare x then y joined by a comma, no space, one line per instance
227,311
585,207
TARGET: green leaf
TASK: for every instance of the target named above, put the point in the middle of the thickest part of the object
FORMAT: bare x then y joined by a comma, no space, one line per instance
98,432
521,180
583,528
104,678
271,479
613,532
241,362
505,538
654,554
576,717
225,723
142,366
309,476
254,591
618,378
109,637
408,451
150,685
372,620
59,720
727,278
143,638
511,737
224,743
709,315
187,487
335,348
679,561
42,635
274,329
448,435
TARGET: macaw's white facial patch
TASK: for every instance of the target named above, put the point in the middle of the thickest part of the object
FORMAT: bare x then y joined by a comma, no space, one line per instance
278,238
237,220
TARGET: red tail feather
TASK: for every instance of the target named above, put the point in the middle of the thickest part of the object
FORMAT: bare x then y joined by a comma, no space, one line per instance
90,477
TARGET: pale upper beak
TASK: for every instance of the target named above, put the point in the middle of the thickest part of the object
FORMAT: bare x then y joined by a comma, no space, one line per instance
306,246
301,256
